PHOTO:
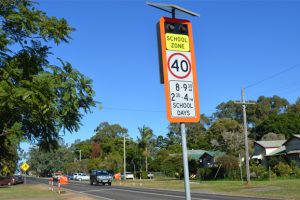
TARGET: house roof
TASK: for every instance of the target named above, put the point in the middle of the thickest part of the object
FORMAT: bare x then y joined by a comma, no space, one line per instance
279,151
271,144
196,154
294,136
294,152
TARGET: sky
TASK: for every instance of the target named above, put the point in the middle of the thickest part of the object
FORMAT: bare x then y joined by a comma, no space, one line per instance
252,44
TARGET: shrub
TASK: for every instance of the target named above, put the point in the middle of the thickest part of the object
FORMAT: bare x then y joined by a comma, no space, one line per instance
296,172
260,171
230,165
205,173
282,169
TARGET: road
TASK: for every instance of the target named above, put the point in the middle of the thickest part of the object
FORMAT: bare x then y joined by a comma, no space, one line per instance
129,193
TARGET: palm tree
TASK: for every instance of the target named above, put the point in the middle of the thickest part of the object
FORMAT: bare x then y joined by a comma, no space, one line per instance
146,134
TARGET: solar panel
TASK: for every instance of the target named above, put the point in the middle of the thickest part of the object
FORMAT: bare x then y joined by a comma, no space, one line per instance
170,8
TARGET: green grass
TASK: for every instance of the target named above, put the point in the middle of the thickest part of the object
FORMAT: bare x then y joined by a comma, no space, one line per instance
284,189
27,191
281,189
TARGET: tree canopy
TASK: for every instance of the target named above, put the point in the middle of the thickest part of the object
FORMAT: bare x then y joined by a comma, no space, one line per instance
37,99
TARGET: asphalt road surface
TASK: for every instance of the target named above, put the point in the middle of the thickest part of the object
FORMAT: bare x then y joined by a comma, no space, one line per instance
128,193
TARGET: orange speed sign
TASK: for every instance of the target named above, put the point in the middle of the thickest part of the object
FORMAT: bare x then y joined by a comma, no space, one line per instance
178,70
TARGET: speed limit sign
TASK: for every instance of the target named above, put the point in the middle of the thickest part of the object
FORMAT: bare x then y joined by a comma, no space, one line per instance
178,70
179,65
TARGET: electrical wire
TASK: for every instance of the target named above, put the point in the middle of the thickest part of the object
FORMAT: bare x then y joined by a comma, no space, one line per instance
272,76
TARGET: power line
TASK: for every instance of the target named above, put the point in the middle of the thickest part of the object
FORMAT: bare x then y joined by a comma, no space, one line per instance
287,89
272,76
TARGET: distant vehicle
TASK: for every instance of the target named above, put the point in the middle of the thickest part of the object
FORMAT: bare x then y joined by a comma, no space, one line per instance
76,174
71,177
150,175
18,179
56,175
6,181
129,175
82,177
100,176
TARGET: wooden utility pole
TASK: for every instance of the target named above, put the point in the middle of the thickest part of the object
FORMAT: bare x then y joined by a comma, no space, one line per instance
124,146
244,103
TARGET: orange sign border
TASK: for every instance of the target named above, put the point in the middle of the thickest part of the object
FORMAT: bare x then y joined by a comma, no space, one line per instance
165,70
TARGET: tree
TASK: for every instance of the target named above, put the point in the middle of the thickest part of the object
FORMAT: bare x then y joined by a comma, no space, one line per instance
45,163
227,135
37,99
109,137
146,135
267,106
295,108
286,124
256,113
229,110
197,137
272,136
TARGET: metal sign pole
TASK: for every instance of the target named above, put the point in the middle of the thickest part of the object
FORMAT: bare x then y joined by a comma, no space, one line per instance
184,153
177,65
185,163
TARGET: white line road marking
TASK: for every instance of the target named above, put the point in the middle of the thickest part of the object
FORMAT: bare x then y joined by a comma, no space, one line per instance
96,190
166,195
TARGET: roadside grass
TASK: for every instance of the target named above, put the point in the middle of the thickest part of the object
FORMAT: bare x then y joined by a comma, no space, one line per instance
38,192
278,189
27,191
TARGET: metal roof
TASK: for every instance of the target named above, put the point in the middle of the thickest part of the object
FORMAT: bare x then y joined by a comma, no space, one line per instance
196,154
293,136
279,151
271,144
294,152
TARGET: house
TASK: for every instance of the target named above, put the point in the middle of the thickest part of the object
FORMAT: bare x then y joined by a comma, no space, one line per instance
292,149
263,149
205,158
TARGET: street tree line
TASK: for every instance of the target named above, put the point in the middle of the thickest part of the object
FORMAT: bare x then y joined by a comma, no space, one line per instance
221,131
39,100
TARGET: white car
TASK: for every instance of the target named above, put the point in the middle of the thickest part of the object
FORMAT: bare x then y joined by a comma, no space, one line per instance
129,175
150,175
81,177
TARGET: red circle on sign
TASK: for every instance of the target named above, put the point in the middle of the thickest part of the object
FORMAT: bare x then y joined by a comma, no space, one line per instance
186,58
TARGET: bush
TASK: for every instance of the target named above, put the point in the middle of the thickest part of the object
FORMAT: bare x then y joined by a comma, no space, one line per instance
205,173
230,166
296,172
282,169
144,175
172,166
260,171
275,160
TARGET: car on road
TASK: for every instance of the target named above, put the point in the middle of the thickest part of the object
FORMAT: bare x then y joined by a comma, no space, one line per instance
7,180
70,176
100,176
82,177
76,174
18,179
129,175
150,175
56,175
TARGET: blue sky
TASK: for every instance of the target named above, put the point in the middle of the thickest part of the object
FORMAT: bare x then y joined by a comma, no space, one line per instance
237,43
